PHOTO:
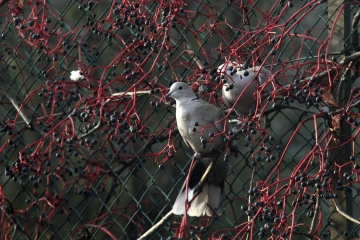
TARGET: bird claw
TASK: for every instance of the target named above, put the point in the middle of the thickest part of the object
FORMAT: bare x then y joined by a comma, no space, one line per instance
197,156
236,130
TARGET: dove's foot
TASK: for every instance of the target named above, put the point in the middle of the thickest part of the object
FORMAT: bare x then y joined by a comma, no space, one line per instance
235,130
197,156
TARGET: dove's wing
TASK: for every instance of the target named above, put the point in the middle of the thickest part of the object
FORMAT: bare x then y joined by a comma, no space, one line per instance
198,119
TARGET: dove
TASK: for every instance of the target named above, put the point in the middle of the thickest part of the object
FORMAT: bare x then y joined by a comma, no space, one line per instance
243,83
202,127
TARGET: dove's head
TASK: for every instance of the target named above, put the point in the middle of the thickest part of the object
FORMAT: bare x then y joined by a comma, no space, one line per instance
223,68
180,90
227,67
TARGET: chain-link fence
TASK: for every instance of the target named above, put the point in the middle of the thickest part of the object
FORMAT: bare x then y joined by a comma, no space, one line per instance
96,154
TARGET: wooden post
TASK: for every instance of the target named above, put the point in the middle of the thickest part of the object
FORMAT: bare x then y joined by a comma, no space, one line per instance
339,224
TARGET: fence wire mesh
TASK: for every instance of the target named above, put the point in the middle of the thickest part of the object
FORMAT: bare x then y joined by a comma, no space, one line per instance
96,154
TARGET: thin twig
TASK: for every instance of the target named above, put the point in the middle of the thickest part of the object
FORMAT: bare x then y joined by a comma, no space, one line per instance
13,235
197,60
304,110
203,178
249,200
92,130
313,222
347,59
352,92
16,106
343,213
342,81
131,94
357,103
233,121
156,226
128,95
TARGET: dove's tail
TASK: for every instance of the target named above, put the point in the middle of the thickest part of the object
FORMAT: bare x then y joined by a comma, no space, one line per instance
207,200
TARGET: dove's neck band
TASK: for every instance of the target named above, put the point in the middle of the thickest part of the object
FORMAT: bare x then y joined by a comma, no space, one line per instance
197,98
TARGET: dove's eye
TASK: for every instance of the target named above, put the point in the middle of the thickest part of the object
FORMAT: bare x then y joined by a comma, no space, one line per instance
180,88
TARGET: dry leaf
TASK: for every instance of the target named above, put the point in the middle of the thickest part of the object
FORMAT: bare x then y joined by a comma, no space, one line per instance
335,128
14,6
328,98
20,5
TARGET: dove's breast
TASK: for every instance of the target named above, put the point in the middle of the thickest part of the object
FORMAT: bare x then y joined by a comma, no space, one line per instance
192,127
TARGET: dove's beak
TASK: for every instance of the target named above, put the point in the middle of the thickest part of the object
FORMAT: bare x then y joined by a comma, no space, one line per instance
168,94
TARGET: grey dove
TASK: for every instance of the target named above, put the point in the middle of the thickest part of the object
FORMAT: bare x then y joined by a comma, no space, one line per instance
242,83
197,120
